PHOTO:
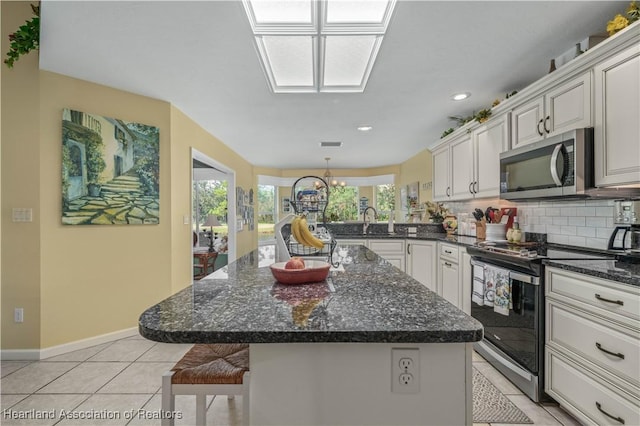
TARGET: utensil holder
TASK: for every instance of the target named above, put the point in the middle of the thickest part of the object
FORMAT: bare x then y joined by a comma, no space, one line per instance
481,230
496,231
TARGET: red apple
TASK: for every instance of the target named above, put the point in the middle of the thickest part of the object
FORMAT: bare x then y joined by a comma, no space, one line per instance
294,263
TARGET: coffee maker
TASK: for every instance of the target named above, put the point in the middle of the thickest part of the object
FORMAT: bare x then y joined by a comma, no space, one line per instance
626,235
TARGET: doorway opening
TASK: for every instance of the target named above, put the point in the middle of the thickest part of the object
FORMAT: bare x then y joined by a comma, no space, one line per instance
213,209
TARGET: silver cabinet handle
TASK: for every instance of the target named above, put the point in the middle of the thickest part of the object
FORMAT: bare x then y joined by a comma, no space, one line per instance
617,419
448,191
619,355
552,164
408,248
448,251
447,264
475,187
470,190
538,127
545,124
617,302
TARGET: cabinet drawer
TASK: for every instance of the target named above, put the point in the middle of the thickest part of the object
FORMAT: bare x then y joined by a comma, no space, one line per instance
581,393
591,338
604,294
449,251
380,247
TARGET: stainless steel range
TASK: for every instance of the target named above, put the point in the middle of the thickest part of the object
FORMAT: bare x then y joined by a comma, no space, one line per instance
508,299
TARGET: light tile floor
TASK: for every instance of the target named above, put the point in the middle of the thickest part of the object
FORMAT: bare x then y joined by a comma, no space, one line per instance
120,381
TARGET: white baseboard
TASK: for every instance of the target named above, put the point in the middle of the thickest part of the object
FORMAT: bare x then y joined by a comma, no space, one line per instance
38,354
20,354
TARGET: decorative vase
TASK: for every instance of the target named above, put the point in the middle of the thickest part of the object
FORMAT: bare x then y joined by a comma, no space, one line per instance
450,224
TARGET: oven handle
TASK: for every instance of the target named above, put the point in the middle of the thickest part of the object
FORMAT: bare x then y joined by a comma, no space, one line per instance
525,278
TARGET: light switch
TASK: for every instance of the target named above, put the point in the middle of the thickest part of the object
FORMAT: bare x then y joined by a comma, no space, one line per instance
185,220
22,214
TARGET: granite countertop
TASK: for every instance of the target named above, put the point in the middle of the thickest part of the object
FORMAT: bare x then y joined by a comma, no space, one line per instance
370,301
620,271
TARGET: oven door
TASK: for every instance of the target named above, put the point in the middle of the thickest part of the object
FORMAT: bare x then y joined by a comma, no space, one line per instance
518,334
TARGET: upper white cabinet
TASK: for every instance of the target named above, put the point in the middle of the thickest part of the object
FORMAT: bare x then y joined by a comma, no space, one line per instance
468,166
565,107
489,141
441,173
617,129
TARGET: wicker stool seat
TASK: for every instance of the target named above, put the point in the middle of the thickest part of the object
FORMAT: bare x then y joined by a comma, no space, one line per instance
208,369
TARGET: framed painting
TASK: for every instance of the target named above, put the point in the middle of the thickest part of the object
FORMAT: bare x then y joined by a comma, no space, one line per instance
110,171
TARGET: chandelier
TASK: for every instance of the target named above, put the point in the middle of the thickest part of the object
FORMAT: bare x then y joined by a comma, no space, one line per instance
328,177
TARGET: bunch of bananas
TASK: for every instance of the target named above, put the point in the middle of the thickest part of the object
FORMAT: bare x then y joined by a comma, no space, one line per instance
300,231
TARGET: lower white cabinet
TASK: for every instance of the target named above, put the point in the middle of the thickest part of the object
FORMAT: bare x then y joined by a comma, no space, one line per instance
449,282
592,347
421,262
355,241
393,251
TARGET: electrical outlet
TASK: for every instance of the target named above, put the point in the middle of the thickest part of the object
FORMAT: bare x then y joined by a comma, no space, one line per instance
405,370
18,315
412,230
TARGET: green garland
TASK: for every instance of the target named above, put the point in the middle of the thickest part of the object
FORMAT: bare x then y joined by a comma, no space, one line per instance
25,39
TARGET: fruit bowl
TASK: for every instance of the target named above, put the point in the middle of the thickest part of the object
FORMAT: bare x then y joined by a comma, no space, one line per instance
314,271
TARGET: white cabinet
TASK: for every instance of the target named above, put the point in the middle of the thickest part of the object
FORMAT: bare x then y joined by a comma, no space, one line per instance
392,251
468,166
461,167
617,108
449,285
421,262
592,347
441,171
489,141
356,241
562,108
466,280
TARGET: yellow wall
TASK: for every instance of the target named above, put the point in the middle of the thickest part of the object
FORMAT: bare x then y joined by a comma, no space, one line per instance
416,169
21,254
78,282
115,272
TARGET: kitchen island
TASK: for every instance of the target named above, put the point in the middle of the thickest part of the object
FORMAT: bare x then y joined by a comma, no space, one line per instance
322,353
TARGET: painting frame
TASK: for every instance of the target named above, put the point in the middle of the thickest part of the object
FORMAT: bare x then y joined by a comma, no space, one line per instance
110,170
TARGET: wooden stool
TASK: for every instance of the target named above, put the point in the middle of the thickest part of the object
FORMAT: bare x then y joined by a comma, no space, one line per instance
216,369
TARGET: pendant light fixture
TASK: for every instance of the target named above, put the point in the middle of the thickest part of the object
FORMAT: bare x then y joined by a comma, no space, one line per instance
328,177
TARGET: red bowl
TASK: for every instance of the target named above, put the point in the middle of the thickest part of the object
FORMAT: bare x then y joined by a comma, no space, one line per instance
313,272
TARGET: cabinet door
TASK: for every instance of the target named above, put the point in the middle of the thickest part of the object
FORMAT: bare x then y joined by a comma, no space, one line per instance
461,168
568,106
421,263
448,281
488,142
395,259
441,189
617,108
526,123
466,280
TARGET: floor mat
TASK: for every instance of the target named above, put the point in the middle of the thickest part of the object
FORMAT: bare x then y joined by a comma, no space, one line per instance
492,406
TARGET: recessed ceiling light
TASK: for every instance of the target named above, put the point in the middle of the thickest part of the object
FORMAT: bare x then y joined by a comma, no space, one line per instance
460,96
365,128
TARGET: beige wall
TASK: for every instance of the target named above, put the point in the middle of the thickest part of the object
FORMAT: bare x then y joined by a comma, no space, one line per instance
416,169
21,253
98,279
77,282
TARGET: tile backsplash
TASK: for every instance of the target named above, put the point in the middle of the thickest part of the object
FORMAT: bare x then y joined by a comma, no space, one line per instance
580,223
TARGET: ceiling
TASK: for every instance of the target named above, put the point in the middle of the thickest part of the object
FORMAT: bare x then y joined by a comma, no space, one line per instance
201,57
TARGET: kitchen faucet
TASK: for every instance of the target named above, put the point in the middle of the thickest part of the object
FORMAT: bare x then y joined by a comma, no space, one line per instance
365,225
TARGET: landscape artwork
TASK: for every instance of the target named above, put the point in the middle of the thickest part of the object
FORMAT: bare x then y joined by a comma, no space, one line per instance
110,171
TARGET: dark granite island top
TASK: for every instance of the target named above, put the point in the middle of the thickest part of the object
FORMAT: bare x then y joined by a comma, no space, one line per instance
370,301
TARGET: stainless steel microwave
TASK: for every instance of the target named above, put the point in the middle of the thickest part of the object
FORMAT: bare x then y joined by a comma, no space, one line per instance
560,166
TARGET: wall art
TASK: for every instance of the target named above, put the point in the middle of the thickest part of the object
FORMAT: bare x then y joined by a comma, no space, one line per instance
110,171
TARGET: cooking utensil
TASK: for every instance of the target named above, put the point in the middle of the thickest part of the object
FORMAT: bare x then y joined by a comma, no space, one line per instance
477,213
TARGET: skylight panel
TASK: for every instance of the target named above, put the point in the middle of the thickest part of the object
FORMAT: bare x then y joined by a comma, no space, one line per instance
347,59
